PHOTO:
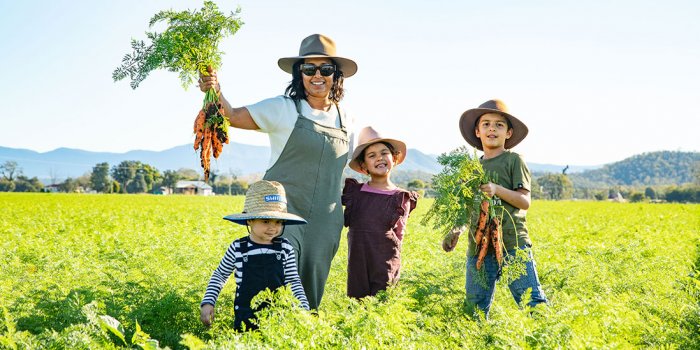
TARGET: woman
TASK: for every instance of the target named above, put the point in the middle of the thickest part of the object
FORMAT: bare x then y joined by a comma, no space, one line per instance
310,142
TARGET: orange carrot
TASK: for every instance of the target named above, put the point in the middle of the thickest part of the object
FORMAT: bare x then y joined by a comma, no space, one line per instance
483,218
496,238
483,250
199,129
217,146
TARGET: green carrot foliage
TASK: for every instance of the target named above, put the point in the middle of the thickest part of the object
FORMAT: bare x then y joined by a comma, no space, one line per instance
68,259
457,191
188,46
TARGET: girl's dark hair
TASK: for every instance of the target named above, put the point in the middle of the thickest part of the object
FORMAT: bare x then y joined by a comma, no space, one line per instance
360,159
296,91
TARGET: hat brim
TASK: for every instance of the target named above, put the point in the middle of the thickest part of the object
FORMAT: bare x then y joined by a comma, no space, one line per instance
289,219
398,146
467,124
346,65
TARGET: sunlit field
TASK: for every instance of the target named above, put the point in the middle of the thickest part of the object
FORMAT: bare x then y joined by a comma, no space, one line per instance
79,270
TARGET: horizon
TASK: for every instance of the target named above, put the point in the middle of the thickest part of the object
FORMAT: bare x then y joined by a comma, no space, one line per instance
267,147
592,89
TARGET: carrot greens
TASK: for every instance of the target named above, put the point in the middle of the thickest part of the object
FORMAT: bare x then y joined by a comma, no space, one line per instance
189,47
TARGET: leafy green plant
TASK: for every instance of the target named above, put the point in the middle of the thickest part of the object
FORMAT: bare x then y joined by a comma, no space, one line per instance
457,194
190,47
140,338
149,258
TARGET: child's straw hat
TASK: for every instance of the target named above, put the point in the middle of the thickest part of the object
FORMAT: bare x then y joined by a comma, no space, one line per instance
265,200
467,123
369,136
319,46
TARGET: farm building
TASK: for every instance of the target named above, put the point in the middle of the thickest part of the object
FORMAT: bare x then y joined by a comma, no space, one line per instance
199,188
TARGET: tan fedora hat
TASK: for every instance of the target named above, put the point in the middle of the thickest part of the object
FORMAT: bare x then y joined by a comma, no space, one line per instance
319,46
467,123
368,136
265,200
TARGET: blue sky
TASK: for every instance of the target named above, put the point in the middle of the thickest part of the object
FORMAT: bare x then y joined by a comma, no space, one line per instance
596,81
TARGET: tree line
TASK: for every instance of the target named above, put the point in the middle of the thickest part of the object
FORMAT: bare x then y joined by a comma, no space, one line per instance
129,176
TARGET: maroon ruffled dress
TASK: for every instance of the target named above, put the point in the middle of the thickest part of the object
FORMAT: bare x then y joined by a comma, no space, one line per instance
376,220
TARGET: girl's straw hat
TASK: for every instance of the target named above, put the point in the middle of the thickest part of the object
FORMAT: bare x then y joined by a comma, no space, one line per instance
319,46
369,136
265,200
467,123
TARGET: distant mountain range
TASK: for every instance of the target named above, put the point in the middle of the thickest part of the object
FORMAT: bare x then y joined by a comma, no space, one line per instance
237,158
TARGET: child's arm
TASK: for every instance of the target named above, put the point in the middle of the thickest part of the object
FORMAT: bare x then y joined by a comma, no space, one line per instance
291,276
519,198
216,283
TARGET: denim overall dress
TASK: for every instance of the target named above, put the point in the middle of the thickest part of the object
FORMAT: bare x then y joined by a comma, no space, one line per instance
310,168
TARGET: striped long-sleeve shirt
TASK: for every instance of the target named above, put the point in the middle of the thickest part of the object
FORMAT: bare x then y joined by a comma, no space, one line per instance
233,262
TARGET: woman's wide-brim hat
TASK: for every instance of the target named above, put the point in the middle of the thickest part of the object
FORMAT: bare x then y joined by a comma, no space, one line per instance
467,123
319,46
368,136
265,200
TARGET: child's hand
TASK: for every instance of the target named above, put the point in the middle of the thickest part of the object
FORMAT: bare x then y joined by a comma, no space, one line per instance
449,242
207,314
489,189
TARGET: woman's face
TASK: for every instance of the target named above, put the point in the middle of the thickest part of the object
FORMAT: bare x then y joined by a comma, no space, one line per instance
317,85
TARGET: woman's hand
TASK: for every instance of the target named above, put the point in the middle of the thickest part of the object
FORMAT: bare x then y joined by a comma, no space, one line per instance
206,82
206,314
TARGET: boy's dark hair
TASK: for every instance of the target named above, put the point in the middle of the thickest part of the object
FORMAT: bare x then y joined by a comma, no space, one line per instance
360,159
476,123
296,91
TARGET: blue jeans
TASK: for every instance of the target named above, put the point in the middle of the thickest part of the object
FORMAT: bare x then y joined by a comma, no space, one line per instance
480,293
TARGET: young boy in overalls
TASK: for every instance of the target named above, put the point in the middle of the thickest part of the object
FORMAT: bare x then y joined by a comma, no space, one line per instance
260,260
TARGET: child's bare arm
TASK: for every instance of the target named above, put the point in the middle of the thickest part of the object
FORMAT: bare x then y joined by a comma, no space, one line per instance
519,198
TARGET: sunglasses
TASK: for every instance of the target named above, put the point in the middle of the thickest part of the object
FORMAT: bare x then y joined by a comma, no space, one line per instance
309,69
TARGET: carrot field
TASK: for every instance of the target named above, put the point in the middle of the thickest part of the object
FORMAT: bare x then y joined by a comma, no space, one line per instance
128,271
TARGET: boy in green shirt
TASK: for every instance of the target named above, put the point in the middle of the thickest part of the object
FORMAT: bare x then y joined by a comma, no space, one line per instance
491,129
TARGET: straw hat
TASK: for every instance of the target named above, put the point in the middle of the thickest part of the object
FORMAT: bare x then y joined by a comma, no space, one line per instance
265,200
369,136
319,46
467,123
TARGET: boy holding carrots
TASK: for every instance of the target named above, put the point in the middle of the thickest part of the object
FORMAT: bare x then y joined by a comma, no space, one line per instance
491,129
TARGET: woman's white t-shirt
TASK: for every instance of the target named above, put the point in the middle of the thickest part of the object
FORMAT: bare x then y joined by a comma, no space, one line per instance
277,116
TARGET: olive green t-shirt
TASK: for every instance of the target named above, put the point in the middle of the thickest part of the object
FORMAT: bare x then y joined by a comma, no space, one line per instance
510,171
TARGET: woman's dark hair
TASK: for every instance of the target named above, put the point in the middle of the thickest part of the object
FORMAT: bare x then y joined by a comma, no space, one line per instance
296,90
360,159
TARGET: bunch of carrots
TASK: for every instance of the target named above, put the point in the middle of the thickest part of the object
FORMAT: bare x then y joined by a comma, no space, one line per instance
211,130
488,233
189,46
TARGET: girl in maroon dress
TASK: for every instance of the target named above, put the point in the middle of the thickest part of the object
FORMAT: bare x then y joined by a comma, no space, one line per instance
376,213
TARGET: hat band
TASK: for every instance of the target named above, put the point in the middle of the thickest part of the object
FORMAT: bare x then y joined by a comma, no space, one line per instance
315,53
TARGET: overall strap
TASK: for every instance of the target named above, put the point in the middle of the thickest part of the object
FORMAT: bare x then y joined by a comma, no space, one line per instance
277,247
297,105
340,116
244,248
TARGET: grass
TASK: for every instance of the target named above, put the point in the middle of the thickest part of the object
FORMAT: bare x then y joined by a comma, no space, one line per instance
617,275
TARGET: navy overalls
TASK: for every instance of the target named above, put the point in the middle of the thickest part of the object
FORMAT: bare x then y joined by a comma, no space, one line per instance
260,271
